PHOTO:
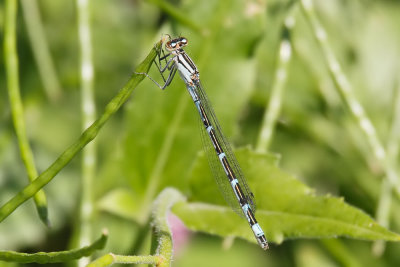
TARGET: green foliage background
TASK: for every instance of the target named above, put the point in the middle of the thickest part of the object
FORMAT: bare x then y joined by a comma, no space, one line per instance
235,45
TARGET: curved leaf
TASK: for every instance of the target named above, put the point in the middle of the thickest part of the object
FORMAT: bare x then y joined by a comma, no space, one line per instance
286,207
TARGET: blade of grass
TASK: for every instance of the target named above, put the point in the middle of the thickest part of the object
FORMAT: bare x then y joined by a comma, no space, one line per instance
17,110
88,135
271,113
40,49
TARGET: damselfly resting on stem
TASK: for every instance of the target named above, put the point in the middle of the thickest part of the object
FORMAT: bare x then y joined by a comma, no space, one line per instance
222,161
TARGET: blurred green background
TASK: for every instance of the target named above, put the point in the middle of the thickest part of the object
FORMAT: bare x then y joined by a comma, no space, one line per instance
235,45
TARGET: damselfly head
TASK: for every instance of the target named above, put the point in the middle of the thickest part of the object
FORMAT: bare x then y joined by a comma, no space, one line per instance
176,44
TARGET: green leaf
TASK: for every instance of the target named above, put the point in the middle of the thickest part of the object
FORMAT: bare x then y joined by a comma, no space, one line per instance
286,208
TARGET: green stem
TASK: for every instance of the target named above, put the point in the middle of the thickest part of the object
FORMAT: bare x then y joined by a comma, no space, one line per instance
161,208
88,110
52,257
40,49
17,111
88,135
346,91
382,215
385,200
274,106
111,258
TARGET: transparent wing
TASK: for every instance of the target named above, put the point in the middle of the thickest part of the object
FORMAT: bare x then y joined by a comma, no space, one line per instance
215,165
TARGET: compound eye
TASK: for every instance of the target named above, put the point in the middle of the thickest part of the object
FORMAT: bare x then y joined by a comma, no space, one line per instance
184,41
173,44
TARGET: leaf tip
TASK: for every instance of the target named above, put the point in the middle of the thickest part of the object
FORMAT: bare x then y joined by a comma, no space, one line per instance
278,237
105,232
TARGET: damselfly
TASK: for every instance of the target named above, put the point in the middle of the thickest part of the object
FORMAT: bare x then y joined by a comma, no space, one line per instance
222,161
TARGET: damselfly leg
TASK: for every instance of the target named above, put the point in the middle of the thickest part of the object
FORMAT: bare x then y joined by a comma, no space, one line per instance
169,65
